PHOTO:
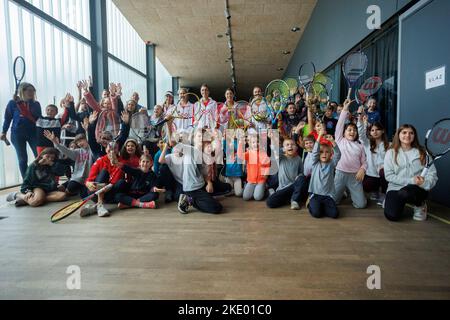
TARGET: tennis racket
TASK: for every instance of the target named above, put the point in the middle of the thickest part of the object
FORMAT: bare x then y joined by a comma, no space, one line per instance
140,126
293,86
437,143
278,93
108,120
306,74
326,81
71,208
260,111
19,69
354,67
187,112
370,87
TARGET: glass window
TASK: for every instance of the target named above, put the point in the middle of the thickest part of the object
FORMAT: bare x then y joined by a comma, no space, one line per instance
131,81
122,37
163,81
55,61
73,13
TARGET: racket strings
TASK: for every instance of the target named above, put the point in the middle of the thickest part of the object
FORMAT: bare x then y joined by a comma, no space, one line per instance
438,141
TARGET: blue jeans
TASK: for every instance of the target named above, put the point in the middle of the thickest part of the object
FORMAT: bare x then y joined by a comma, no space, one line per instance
323,206
292,193
19,141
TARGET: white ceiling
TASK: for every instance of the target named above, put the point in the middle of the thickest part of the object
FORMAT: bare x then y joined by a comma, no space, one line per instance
185,33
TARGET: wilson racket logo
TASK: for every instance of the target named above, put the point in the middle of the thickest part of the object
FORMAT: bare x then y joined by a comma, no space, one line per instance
441,136
373,83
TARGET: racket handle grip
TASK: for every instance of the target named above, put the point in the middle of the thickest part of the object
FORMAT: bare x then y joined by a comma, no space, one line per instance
424,172
161,123
103,189
349,94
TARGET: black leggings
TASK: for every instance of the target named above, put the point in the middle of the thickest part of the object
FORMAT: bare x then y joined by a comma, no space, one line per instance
221,188
126,196
74,188
396,200
373,184
129,197
203,201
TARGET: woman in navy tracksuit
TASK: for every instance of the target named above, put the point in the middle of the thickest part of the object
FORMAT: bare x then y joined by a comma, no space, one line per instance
23,113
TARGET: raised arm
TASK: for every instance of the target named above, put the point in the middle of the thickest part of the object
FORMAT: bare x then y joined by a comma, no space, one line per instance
339,133
90,100
362,128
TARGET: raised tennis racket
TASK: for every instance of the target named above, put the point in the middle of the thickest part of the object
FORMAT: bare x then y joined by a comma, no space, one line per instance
19,69
437,143
354,67
306,74
260,110
71,208
140,127
370,87
293,86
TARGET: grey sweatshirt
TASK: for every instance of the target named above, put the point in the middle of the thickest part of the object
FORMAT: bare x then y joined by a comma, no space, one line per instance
408,166
322,178
289,170
83,161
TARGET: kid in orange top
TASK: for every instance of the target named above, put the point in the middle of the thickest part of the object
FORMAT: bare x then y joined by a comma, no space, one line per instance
258,167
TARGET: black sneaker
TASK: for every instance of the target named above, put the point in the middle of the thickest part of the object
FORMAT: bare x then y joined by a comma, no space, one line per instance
184,204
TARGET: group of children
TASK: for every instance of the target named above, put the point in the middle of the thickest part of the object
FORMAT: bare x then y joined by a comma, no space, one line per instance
293,159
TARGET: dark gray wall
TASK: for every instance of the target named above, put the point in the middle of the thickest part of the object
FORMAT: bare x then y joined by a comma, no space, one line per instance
335,27
425,46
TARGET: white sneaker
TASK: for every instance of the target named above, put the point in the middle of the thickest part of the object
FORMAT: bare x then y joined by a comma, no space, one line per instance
295,205
88,210
381,199
420,213
374,196
102,211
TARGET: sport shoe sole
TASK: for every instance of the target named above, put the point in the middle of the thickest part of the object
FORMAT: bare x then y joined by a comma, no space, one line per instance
183,204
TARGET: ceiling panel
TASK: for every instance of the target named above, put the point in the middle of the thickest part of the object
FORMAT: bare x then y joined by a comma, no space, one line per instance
185,33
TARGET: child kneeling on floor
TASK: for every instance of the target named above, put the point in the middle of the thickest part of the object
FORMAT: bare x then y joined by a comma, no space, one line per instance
141,192
324,162
292,182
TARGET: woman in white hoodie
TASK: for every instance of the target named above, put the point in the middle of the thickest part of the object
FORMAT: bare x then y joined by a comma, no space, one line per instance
403,165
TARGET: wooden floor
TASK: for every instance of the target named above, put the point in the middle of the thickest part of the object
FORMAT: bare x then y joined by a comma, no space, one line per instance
250,252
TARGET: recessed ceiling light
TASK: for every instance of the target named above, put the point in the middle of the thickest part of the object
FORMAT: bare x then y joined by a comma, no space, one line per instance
295,29
280,69
286,52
